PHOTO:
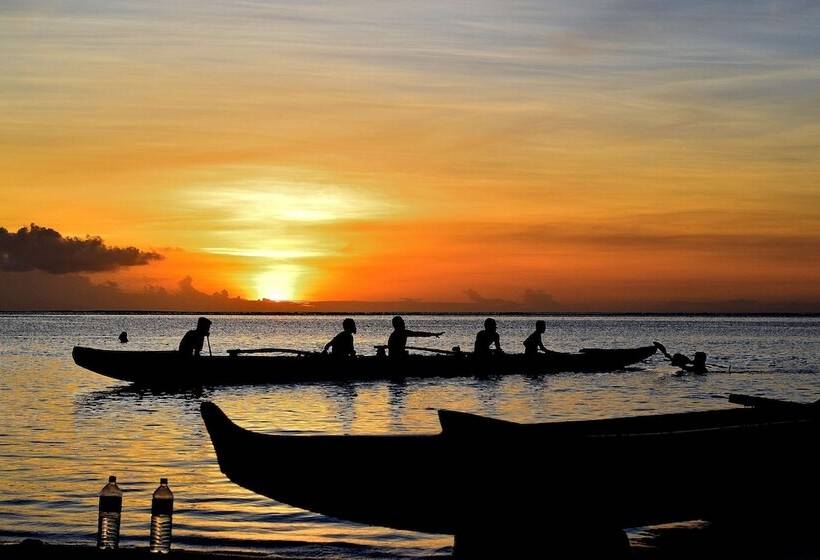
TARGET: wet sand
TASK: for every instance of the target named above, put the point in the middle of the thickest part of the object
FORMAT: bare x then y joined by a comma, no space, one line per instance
672,542
33,549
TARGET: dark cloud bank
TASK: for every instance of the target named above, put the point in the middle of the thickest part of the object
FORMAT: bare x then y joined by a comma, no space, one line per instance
41,248
40,271
41,291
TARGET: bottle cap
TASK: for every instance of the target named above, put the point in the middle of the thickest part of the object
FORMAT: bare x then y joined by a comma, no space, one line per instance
163,481
112,479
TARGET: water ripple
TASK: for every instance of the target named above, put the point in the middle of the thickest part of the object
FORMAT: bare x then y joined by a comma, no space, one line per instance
67,429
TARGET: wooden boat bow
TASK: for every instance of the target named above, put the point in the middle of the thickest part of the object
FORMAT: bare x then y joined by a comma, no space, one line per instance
623,472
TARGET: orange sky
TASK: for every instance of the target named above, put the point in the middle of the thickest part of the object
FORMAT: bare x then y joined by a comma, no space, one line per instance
608,156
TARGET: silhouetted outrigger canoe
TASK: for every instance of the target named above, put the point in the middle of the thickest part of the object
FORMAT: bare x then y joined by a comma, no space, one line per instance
157,368
484,480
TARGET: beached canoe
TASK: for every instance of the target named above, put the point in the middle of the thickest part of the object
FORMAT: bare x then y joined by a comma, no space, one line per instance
739,464
152,368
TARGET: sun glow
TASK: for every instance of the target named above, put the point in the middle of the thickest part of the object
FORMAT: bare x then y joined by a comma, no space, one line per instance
270,194
279,282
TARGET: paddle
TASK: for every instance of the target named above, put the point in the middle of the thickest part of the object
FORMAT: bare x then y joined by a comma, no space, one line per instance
208,337
434,350
237,351
662,348
711,364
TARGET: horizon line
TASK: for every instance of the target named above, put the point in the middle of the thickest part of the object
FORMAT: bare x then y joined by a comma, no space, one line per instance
405,312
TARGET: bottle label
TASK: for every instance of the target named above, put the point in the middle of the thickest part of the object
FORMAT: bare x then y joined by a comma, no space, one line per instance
111,504
162,507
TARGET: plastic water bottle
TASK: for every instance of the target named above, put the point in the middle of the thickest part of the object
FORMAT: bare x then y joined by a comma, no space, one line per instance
108,523
162,510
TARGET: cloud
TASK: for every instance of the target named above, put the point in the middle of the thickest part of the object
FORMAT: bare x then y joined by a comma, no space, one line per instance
705,233
42,248
37,290
475,297
40,291
531,300
539,300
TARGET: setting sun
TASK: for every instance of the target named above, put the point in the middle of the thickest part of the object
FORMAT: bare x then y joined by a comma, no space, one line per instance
279,282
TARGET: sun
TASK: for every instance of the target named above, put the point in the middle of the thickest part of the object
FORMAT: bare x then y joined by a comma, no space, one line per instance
279,282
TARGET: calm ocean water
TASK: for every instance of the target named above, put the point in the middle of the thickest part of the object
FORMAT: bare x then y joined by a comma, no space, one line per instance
66,429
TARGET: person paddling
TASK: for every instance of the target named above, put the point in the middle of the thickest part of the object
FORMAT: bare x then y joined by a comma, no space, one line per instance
191,343
484,339
696,366
342,343
397,343
533,342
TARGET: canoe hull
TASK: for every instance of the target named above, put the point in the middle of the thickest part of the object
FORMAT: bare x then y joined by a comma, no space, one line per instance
171,368
733,464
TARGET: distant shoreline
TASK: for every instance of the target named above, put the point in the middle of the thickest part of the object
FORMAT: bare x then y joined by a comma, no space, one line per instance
410,313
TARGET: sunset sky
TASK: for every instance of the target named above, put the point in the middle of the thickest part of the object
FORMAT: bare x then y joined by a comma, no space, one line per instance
612,155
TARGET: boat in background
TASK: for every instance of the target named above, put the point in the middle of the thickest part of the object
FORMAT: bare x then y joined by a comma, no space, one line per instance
741,465
169,368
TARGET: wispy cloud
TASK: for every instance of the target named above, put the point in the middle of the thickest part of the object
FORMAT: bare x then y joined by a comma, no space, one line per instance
465,143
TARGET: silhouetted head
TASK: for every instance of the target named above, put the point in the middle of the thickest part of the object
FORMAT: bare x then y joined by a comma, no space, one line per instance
700,359
489,325
123,337
398,323
541,326
349,325
203,326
